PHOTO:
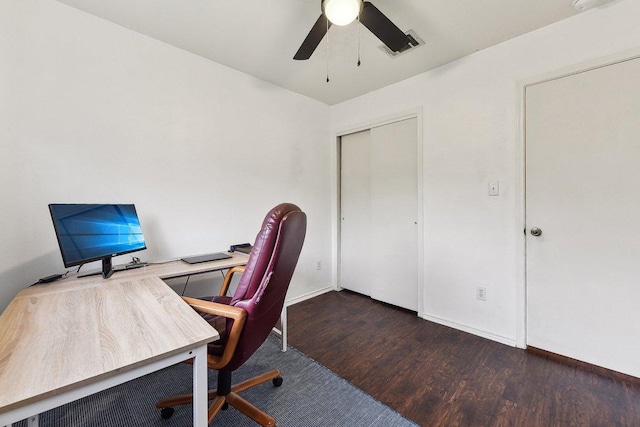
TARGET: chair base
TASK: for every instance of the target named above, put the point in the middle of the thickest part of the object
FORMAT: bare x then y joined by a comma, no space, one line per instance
231,397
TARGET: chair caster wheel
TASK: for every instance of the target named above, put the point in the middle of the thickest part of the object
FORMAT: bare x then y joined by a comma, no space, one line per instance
166,413
277,381
225,406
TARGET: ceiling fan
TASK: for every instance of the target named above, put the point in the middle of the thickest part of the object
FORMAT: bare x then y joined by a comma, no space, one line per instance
343,12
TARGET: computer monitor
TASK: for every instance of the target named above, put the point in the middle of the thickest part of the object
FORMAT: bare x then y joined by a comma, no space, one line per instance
95,232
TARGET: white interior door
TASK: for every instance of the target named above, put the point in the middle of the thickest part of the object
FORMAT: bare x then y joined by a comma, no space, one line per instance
379,237
582,192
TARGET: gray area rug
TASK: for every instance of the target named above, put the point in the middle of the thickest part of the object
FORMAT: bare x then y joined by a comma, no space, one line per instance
311,395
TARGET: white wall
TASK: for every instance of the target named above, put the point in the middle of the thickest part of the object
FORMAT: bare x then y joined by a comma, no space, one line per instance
470,137
93,112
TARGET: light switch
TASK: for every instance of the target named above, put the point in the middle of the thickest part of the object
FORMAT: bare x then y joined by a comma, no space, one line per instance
494,188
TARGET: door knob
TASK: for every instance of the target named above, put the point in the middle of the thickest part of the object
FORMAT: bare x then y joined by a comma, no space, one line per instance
535,231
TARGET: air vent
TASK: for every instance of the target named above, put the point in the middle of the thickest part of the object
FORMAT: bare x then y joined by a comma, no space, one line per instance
581,5
414,42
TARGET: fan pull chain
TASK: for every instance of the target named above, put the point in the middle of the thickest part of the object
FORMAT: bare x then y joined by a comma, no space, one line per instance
358,39
327,50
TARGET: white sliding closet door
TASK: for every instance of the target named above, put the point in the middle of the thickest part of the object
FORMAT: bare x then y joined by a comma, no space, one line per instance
379,211
355,208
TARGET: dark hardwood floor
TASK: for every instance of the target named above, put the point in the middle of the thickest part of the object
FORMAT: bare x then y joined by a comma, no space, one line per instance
438,376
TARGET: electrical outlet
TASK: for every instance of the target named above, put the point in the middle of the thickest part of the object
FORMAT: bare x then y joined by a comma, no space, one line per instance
481,293
319,265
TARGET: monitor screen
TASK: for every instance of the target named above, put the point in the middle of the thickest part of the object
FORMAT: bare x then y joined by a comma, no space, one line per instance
91,232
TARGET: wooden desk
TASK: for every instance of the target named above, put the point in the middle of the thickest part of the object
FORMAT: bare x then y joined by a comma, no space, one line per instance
71,338
176,269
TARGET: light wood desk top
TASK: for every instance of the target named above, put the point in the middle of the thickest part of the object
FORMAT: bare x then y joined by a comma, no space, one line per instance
58,336
177,268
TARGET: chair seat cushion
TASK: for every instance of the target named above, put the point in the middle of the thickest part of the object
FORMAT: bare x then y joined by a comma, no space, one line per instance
219,323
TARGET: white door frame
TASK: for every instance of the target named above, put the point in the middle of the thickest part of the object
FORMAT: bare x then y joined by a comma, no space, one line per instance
521,253
409,114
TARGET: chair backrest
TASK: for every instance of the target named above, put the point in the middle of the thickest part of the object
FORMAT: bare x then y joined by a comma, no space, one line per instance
263,285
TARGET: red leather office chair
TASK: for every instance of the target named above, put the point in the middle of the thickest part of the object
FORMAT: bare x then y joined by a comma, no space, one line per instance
246,319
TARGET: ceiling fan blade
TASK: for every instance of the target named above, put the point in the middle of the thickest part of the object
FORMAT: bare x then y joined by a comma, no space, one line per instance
383,28
313,39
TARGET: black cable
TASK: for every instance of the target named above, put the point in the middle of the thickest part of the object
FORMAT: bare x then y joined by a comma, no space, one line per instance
358,39
327,50
185,285
161,262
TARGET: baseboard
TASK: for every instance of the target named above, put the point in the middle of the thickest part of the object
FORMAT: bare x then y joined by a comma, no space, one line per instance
574,363
484,334
310,295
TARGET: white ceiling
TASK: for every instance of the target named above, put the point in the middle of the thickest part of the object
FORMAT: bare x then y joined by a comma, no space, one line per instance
260,37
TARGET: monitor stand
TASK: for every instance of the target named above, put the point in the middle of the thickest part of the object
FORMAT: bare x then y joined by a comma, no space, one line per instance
106,272
107,269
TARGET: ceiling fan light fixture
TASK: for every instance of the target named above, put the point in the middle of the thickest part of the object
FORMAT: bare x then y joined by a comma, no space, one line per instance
341,12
